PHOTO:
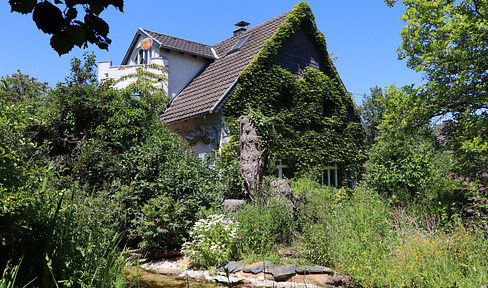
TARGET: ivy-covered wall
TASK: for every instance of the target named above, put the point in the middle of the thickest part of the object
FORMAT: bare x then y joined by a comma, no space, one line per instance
307,119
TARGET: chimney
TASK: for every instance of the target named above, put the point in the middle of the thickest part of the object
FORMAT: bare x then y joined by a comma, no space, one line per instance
240,27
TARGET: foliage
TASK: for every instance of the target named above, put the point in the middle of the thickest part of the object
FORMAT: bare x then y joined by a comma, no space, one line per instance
148,81
308,123
60,240
213,241
446,40
390,246
262,228
162,187
20,87
62,21
410,168
371,112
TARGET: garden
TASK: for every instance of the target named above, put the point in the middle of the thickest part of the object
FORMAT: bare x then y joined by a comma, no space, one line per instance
88,172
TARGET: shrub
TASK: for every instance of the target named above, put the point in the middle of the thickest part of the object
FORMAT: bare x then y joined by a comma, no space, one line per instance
263,227
213,241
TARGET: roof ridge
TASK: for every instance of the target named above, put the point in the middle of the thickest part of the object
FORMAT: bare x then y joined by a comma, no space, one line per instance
179,38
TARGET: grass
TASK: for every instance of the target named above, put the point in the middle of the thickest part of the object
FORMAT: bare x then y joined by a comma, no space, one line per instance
358,233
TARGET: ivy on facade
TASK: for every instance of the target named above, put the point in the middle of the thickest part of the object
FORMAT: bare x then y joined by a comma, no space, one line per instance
307,122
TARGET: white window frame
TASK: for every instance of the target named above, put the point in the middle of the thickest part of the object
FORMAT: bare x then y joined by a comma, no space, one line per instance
328,182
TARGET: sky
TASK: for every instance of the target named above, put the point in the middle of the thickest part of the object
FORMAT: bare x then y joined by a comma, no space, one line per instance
363,34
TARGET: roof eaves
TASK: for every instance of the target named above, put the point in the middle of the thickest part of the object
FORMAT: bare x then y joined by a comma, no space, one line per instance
186,117
214,108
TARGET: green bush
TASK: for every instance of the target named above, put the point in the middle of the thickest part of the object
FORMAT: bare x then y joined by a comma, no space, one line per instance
262,227
213,241
61,237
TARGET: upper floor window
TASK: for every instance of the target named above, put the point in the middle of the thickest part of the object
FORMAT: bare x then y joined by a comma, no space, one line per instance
143,57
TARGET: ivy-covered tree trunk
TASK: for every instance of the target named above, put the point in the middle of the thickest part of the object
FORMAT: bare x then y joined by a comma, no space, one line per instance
251,159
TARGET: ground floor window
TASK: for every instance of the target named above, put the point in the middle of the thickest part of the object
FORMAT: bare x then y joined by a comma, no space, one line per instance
280,167
329,176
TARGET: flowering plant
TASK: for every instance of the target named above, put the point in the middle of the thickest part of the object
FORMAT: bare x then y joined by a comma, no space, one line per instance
213,241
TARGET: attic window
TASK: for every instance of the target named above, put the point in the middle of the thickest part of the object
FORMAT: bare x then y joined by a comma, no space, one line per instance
239,43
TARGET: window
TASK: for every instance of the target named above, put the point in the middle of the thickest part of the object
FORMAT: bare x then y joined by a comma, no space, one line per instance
329,176
239,43
143,57
280,168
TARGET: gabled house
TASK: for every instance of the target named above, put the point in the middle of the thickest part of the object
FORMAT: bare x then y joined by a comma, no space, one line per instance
265,70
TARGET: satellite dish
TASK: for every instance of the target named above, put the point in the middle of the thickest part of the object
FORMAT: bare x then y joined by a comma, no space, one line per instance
146,43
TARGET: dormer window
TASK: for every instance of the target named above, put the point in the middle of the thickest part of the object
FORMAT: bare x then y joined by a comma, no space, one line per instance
239,43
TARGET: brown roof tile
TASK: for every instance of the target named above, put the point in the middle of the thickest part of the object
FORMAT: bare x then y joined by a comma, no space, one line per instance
182,45
207,90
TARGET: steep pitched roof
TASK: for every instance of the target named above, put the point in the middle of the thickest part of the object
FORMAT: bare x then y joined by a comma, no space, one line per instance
172,43
182,45
206,93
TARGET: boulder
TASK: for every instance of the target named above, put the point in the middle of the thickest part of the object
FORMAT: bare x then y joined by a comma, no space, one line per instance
282,272
232,205
280,189
258,267
231,266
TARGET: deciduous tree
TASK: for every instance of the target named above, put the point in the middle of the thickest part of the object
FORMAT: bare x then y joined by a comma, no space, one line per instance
448,42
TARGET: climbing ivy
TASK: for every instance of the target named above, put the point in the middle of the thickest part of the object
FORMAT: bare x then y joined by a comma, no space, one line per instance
309,121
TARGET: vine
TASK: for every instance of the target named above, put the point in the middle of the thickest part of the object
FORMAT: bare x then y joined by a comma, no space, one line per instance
310,121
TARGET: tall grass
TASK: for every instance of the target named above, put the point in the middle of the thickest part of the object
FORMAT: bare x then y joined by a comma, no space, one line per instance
62,242
389,246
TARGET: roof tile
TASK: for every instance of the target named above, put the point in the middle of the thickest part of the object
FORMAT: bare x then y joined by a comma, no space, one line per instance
182,45
208,88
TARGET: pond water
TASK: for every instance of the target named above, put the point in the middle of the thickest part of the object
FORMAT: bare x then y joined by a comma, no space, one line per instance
144,279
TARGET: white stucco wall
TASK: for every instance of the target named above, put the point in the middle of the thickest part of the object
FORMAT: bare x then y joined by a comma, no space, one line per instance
210,127
106,70
181,67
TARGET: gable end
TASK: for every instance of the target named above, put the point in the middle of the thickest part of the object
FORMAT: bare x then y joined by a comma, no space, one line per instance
298,52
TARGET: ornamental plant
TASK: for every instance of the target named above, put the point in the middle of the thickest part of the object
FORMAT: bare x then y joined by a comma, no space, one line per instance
213,241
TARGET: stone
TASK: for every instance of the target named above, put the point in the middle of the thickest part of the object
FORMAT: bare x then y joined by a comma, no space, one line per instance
282,272
281,190
232,205
258,267
251,157
231,266
316,279
338,280
314,270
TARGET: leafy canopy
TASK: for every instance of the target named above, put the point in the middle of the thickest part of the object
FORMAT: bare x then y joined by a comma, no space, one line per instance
447,41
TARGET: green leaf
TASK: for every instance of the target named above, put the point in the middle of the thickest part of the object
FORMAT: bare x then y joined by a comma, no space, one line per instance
62,43
77,34
48,18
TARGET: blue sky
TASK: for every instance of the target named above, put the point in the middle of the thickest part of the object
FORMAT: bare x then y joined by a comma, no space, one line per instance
363,34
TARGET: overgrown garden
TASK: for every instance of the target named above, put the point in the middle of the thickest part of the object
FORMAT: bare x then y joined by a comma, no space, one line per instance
87,172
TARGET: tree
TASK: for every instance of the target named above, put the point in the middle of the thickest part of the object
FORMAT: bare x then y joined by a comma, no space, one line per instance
20,87
148,81
371,112
447,41
66,28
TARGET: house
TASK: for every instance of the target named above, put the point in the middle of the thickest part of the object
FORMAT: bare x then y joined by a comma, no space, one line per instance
207,83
